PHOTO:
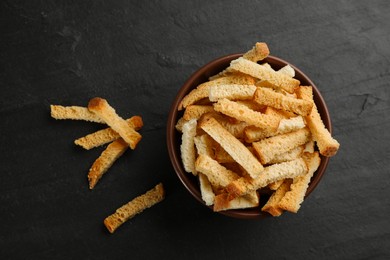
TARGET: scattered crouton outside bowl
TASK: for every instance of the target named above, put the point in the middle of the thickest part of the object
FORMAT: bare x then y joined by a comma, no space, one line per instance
174,137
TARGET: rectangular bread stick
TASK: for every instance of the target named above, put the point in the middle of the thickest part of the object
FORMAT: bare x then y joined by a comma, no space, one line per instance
273,173
106,160
101,108
267,149
292,200
277,80
202,91
222,202
206,190
232,146
218,175
253,133
327,145
272,204
187,147
268,97
231,92
134,207
243,113
106,135
74,113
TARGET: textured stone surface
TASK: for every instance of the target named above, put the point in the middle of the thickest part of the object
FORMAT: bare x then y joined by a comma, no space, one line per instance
137,54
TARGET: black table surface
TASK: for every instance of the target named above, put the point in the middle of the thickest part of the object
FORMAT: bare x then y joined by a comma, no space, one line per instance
137,54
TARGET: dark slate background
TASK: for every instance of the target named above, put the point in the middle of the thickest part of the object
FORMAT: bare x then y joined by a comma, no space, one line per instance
137,54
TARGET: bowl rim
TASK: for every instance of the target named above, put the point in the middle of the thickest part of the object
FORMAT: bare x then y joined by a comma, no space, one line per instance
172,144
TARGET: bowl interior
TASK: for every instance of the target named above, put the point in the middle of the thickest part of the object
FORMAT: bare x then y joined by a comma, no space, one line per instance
174,137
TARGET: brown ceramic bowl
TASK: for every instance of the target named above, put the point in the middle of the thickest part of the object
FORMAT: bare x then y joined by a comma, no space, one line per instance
174,137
